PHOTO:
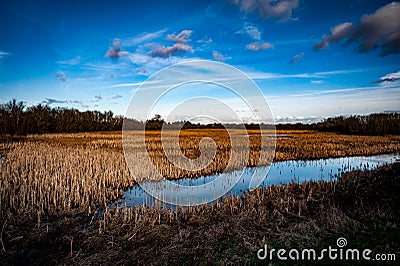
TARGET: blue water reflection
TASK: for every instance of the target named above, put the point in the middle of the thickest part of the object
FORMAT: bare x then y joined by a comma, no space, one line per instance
279,173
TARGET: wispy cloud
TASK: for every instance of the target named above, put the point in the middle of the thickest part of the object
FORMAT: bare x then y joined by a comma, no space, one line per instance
254,33
122,85
3,54
206,40
143,38
182,37
391,77
378,30
148,64
114,52
70,62
251,31
116,96
297,119
139,58
257,46
220,57
60,75
316,82
95,100
100,66
322,92
278,9
297,58
260,75
340,71
357,100
142,71
50,101
315,75
76,101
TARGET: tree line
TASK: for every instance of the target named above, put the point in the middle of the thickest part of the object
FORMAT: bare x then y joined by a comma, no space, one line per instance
17,119
373,124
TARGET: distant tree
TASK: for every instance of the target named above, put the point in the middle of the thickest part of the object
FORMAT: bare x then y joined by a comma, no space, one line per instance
38,119
14,112
373,124
155,123
14,119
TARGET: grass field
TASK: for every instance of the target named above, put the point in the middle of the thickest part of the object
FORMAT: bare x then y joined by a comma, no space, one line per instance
52,187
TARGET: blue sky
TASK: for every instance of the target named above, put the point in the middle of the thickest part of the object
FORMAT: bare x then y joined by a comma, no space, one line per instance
311,59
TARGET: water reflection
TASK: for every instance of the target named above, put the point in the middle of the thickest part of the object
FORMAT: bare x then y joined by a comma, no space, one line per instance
280,173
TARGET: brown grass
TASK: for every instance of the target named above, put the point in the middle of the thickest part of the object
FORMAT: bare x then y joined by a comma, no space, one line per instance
361,206
43,178
290,145
53,185
64,173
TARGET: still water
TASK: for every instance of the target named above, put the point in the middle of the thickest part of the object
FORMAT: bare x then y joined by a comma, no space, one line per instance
279,173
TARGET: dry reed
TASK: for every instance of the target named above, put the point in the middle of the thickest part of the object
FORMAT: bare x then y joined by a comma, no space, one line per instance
60,173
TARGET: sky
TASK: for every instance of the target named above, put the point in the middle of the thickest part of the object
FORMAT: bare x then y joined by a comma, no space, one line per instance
311,59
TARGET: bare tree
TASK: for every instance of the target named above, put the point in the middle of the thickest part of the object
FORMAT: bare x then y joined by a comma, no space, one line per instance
15,111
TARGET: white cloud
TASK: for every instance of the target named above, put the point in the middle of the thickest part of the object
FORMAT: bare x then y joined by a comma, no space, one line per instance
180,45
117,96
60,75
121,85
340,71
253,32
254,74
297,58
71,62
142,38
205,40
114,51
250,30
182,37
3,54
167,51
100,66
391,77
220,57
292,119
278,9
268,75
148,64
360,100
316,81
139,58
257,46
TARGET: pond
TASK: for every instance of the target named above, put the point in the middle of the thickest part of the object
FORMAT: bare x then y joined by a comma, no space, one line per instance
280,173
